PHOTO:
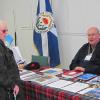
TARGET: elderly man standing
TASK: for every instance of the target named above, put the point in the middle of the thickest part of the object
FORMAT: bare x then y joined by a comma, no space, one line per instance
9,74
87,58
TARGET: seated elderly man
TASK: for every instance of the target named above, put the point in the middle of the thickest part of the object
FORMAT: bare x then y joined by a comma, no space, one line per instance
87,58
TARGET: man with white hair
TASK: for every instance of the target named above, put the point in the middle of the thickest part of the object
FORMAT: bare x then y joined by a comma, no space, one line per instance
87,58
9,74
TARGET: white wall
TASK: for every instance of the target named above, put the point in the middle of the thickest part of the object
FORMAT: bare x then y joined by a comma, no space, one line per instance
72,18
19,15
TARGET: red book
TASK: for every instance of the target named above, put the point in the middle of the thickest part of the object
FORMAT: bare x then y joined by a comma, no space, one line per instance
71,73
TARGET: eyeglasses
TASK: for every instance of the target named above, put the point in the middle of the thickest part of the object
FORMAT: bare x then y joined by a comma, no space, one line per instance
4,31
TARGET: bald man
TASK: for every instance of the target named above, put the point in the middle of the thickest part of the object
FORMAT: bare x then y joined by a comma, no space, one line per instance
9,74
87,58
3,30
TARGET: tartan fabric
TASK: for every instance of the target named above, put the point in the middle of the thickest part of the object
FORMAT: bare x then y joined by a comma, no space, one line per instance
34,91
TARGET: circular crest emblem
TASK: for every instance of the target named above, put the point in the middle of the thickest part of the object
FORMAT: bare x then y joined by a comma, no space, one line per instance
44,22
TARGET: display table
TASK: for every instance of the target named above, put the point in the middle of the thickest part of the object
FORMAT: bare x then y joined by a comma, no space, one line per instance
35,91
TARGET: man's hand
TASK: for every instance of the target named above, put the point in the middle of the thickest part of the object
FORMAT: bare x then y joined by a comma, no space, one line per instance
79,69
16,90
20,66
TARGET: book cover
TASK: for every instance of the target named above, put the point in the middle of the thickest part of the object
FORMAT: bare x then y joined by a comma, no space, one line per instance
71,74
95,80
52,71
26,73
86,77
23,72
95,93
30,77
46,79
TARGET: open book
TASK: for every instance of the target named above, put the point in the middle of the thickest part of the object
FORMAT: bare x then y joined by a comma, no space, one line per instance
9,43
17,54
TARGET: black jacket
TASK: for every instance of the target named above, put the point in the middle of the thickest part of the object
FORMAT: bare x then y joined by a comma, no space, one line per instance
92,66
9,74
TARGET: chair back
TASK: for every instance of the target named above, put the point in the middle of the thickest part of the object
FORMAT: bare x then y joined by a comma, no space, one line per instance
42,60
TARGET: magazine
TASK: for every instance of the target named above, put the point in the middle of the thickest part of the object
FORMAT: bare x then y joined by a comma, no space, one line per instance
85,90
75,87
60,83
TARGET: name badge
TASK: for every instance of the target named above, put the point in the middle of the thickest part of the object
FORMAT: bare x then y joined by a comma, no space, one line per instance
88,57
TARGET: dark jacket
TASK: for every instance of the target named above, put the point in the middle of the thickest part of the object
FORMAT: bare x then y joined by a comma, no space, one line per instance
92,66
9,74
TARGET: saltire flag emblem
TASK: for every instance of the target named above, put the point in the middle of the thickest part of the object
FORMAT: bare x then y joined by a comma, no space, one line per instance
8,40
45,34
